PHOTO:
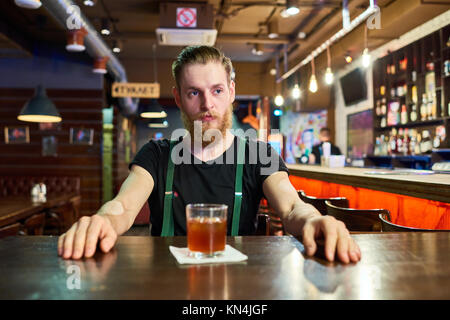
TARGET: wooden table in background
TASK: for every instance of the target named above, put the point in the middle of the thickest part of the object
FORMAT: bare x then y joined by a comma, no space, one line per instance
14,209
393,266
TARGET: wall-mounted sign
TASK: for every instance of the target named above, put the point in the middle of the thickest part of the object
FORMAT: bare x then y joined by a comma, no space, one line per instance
187,17
135,90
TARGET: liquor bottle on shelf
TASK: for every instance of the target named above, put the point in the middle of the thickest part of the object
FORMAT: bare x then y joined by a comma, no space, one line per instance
382,90
418,143
414,96
423,108
403,64
413,114
383,122
406,142
400,141
377,148
378,108
383,106
434,106
426,144
404,115
393,142
385,148
430,107
412,142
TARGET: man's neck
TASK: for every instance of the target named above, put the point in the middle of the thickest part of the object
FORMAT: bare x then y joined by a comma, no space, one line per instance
212,150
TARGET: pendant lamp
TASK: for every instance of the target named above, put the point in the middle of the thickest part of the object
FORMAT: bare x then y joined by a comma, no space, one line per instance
153,110
28,4
75,40
39,108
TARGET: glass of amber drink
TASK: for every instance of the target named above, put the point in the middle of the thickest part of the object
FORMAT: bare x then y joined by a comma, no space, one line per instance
206,229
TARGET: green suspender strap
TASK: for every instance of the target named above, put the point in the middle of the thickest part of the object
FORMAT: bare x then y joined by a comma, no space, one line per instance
238,187
168,225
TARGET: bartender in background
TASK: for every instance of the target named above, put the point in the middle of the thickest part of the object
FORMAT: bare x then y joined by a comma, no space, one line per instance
317,150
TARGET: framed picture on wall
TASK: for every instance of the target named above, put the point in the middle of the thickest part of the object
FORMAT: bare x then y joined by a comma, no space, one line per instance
17,135
81,136
49,146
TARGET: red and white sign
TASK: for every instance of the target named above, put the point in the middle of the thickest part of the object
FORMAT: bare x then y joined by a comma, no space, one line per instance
187,17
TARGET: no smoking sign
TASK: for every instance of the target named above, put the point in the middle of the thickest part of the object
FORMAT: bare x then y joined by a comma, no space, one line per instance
187,17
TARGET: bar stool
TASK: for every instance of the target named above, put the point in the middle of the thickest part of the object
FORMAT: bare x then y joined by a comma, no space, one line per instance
357,219
388,226
319,203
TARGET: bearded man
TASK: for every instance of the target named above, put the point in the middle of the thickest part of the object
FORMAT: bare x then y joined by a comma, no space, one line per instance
204,92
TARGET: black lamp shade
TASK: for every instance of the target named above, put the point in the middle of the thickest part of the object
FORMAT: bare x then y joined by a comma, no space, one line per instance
153,110
39,108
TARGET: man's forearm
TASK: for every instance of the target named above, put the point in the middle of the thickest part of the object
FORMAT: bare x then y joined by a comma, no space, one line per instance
296,219
115,212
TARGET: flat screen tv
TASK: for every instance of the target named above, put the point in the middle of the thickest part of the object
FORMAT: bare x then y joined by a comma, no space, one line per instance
354,87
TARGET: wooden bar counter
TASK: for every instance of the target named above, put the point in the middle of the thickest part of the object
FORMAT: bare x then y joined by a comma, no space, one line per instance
415,200
392,266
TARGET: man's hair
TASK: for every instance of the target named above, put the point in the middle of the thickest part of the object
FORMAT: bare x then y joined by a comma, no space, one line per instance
201,55
325,130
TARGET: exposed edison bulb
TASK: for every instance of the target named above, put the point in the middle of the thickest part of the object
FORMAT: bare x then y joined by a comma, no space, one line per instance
313,84
279,100
296,92
366,58
329,76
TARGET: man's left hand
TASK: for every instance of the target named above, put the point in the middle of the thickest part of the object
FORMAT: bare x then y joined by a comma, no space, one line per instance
337,239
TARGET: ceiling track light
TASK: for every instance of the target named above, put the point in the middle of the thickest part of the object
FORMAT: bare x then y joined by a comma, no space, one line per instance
258,49
117,46
292,7
273,29
89,3
106,30
348,58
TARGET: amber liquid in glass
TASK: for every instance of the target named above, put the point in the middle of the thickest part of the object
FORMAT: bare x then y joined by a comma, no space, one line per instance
206,235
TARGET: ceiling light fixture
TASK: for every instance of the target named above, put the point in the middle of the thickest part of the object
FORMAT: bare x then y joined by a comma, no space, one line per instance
100,65
348,58
258,49
106,30
279,100
292,7
366,58
117,46
273,29
28,4
89,3
153,110
313,81
159,124
329,76
296,93
75,40
39,108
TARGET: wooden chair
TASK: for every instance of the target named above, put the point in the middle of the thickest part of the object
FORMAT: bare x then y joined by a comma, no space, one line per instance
11,230
319,203
276,227
263,225
34,225
388,226
357,219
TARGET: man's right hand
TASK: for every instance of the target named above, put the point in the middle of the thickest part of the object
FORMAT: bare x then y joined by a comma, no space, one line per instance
82,238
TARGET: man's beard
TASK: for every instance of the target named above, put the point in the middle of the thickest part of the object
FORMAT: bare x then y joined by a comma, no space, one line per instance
225,123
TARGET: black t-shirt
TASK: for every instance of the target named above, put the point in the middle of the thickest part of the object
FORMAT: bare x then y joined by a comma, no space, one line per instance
208,182
317,151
